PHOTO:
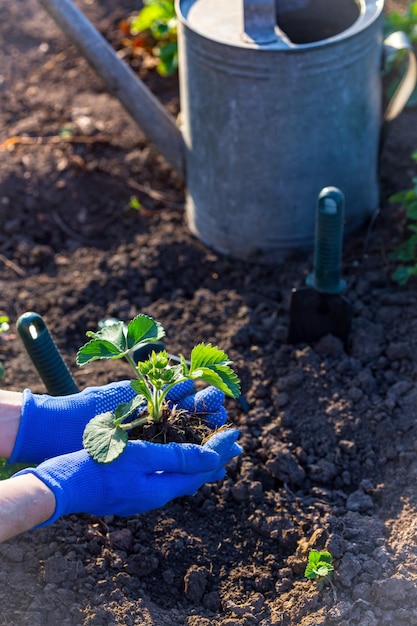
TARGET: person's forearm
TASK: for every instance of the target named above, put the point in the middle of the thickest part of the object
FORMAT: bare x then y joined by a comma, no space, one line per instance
10,409
25,502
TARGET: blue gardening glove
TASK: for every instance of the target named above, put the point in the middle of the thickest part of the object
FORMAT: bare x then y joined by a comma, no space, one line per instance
207,403
51,426
146,476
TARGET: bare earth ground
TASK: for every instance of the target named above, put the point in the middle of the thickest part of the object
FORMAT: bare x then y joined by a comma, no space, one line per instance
330,436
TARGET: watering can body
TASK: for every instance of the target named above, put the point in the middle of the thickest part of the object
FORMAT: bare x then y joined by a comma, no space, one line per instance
279,99
269,122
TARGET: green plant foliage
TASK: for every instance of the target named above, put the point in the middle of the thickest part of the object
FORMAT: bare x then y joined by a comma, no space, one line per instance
105,436
134,203
157,22
406,22
319,566
406,254
211,365
113,342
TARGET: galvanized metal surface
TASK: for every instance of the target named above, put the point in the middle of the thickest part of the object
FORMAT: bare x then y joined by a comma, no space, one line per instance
268,125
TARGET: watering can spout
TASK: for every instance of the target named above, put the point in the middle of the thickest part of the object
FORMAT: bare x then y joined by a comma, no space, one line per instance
120,80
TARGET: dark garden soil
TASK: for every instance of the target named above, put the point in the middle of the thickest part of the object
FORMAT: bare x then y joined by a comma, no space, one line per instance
330,435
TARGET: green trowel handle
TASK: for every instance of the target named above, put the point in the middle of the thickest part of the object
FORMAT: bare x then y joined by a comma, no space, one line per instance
45,355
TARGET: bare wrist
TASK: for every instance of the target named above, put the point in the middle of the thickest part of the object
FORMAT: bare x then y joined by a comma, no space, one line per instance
10,410
25,502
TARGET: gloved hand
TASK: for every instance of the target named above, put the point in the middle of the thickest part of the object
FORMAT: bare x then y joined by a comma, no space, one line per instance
207,403
146,476
51,426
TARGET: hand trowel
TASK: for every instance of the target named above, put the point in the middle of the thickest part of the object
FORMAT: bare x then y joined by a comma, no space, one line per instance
320,308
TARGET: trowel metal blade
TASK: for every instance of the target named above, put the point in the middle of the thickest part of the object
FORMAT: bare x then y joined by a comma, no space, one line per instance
314,315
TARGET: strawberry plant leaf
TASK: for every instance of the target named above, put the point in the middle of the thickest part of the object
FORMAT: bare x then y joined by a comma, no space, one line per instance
326,557
211,365
324,569
141,388
219,376
142,330
319,564
125,409
103,439
310,572
314,557
108,343
204,354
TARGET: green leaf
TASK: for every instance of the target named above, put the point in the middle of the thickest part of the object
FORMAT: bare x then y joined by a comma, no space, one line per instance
146,18
314,557
403,274
141,388
204,354
103,439
221,377
310,572
402,197
125,409
412,210
324,570
168,55
406,252
152,15
143,329
114,342
319,564
325,556
184,365
108,343
211,365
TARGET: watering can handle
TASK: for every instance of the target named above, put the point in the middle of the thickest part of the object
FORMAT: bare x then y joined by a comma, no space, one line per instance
395,42
260,23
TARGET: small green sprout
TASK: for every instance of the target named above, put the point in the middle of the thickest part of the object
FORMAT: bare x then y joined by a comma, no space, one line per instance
106,435
319,565
134,203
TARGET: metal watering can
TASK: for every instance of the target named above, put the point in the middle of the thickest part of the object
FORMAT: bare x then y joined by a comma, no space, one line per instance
279,98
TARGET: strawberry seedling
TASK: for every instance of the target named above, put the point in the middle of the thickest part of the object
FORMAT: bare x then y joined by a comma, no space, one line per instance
106,435
319,566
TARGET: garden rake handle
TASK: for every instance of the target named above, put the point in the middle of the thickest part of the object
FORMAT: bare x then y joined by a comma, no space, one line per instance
45,355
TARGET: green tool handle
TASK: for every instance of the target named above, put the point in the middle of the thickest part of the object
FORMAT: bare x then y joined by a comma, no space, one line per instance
330,217
45,355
